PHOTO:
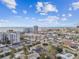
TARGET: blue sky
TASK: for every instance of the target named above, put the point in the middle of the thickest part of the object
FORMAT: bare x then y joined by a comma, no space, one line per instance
44,13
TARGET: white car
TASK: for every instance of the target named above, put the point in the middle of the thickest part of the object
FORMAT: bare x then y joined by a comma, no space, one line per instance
66,56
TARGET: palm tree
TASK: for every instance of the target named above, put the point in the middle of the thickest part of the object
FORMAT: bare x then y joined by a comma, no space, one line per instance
43,55
12,53
52,51
25,49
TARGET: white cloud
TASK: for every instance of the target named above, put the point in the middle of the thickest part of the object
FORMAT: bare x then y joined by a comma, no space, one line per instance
70,9
63,18
39,6
10,3
63,15
50,8
75,5
66,15
24,11
14,11
50,21
3,21
30,6
43,14
52,18
69,15
27,18
45,7
32,18
45,22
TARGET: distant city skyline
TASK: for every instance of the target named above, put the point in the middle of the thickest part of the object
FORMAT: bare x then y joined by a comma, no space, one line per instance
43,13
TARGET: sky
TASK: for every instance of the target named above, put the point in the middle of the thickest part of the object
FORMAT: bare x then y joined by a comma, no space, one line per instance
43,13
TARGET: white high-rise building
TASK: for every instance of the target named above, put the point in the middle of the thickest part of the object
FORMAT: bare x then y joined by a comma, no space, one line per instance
35,29
3,37
1,34
14,37
28,30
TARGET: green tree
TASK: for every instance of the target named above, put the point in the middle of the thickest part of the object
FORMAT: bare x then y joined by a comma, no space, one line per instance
43,55
52,51
59,50
12,53
25,49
